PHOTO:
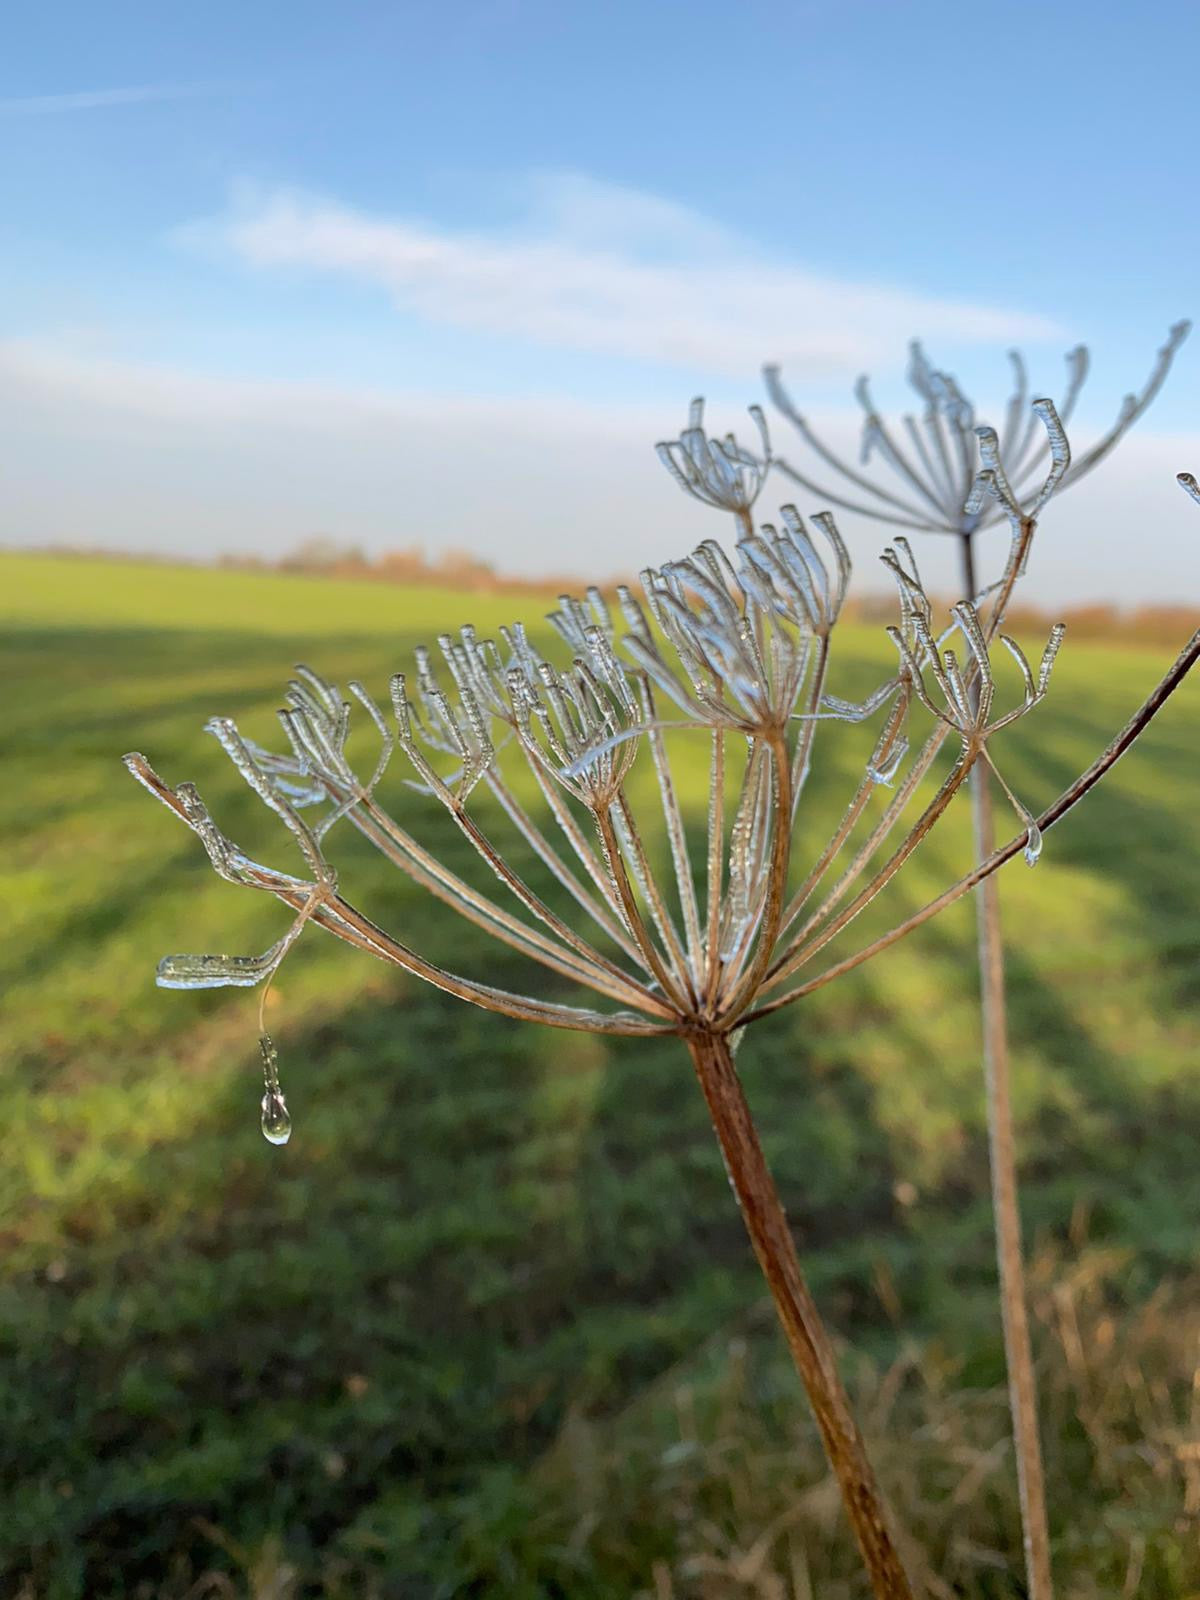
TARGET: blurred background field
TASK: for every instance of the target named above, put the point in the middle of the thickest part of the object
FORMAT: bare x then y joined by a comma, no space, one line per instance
489,1324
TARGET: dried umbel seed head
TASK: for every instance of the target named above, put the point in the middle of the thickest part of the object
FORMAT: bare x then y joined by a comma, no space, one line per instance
718,472
581,725
739,639
933,473
737,650
967,710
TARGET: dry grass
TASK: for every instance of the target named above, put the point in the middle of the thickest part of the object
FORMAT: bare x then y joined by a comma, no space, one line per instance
742,1507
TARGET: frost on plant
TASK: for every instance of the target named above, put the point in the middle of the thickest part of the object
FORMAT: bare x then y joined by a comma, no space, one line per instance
677,925
732,647
720,472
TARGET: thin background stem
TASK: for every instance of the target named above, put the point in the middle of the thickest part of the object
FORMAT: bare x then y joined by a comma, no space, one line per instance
1018,1349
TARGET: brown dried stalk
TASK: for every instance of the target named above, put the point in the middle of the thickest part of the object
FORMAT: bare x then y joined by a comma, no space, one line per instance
736,654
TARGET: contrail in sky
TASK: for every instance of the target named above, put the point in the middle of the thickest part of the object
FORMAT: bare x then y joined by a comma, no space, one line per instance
42,105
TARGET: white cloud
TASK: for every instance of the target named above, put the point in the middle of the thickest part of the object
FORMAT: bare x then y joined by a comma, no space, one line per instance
596,267
138,457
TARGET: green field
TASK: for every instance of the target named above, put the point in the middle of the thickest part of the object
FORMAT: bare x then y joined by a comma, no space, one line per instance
488,1326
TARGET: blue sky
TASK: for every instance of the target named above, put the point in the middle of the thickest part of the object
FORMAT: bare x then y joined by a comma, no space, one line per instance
442,273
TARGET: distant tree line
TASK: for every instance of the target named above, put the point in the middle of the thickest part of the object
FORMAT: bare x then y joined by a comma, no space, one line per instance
329,558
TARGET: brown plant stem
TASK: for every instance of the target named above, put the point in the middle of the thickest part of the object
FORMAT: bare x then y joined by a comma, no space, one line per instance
1006,1212
808,1340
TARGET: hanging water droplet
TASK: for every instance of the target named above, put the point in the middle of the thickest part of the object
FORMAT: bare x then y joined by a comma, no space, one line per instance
276,1118
1033,844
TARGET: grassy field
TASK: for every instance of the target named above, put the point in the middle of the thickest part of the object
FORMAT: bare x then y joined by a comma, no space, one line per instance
488,1326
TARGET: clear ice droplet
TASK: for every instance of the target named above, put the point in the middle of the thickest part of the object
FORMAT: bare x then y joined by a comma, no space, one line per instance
276,1118
1033,844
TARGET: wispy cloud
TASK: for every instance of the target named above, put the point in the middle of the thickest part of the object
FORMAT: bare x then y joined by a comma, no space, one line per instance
596,267
46,105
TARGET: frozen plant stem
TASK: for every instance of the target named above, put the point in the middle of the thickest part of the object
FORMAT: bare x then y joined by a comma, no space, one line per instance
1006,1213
809,1342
